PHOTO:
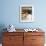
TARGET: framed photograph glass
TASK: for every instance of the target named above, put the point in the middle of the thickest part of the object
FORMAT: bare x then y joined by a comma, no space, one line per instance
26,13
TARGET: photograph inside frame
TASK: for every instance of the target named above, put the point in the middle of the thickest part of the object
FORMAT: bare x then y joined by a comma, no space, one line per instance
26,13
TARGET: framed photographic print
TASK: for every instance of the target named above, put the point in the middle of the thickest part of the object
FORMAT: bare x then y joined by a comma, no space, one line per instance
26,13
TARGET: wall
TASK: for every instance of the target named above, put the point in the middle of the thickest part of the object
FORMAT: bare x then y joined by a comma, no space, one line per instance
9,13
